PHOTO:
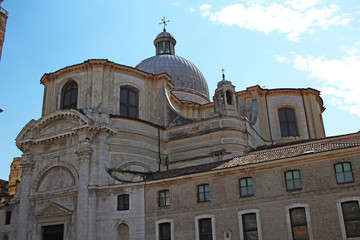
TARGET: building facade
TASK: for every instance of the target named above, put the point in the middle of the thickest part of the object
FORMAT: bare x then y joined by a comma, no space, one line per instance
143,153
3,19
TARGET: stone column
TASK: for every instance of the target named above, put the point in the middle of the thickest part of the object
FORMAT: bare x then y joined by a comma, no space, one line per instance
27,166
82,212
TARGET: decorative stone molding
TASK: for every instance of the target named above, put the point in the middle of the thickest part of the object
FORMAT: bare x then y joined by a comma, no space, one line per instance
53,212
57,178
90,64
84,153
27,167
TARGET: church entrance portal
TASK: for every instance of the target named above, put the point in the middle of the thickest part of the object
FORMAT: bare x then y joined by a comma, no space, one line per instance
53,232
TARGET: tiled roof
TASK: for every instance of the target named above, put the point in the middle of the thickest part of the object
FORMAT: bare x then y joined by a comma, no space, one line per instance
257,157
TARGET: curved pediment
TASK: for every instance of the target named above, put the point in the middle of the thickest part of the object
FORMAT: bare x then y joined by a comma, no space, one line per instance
55,125
56,179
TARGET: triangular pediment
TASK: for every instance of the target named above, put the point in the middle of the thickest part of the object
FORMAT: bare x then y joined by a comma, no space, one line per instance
53,210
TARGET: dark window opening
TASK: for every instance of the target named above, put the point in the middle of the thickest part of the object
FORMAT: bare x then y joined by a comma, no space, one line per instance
246,187
293,180
343,173
7,217
167,47
69,96
123,202
164,198
160,48
351,214
53,232
165,231
299,226
250,230
204,193
128,103
287,122
228,97
205,229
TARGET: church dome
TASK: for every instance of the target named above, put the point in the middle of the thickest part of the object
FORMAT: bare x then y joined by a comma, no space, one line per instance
189,83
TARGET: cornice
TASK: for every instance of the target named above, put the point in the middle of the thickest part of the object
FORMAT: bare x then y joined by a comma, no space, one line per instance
94,63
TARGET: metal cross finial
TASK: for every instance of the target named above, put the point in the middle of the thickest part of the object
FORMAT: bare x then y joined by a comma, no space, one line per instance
223,73
164,22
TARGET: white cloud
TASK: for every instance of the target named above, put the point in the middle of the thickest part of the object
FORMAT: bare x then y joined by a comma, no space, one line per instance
175,4
281,59
339,79
205,9
192,9
302,4
276,17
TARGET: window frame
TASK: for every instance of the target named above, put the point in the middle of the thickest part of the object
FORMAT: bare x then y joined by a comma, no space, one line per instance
343,173
203,194
126,205
308,219
295,225
247,186
8,217
127,103
293,180
213,229
288,123
241,224
165,198
157,226
68,88
341,214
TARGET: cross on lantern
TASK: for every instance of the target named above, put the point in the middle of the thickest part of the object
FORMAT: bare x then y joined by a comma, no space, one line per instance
164,22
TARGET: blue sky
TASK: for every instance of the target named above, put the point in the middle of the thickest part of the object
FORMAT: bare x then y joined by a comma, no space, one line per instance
275,44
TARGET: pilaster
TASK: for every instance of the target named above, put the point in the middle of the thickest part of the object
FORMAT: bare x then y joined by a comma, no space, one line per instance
27,167
82,213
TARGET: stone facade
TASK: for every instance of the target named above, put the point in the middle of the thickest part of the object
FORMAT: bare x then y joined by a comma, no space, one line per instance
3,20
112,137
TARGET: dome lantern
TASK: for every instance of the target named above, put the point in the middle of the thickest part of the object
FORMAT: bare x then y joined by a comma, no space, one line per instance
189,83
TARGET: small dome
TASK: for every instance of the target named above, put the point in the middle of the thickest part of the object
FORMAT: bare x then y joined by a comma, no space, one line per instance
189,83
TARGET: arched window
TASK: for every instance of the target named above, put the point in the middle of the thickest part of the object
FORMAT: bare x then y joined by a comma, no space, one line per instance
128,102
287,122
123,231
69,95
228,97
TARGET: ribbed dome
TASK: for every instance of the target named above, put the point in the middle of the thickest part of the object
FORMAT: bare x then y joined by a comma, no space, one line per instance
189,83
185,75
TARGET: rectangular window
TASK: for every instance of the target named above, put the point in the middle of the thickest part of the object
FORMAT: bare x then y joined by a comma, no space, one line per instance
287,122
246,187
205,229
167,47
53,232
351,214
293,180
343,173
160,48
164,198
128,102
250,226
7,217
299,226
204,193
123,202
165,231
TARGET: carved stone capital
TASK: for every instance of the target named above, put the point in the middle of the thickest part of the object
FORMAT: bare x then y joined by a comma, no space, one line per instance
84,153
27,167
